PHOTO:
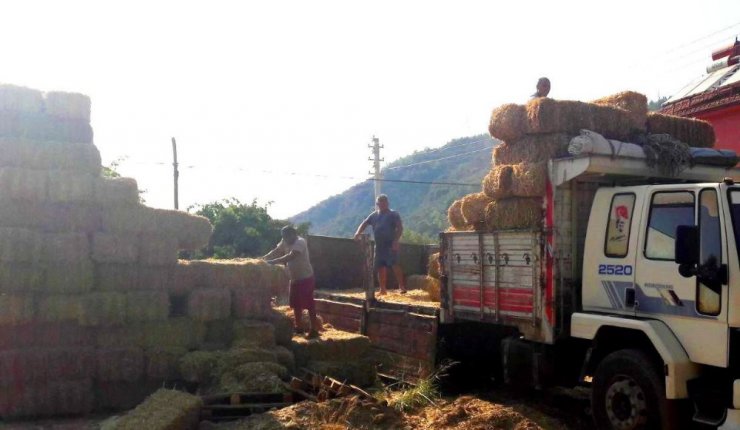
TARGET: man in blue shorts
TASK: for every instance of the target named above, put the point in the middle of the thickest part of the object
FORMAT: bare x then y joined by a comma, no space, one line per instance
387,228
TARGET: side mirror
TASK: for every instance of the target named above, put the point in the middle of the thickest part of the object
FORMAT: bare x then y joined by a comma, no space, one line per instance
687,245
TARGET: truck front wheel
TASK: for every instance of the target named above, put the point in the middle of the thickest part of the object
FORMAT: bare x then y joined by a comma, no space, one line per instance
628,393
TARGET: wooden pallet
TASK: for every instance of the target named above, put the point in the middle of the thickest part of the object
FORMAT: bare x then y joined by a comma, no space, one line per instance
234,406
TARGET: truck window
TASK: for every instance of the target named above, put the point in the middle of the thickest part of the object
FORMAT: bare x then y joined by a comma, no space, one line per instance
735,211
620,221
710,252
668,210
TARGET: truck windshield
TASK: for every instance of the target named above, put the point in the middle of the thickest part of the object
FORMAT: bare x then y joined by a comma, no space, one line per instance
735,210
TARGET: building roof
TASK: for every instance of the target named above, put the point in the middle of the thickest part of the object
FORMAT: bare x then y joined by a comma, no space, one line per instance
713,91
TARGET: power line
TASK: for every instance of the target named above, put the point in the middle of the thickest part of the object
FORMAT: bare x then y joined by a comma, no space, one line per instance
404,181
440,159
320,176
453,146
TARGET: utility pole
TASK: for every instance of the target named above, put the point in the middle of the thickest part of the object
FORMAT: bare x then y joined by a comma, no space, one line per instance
376,146
175,172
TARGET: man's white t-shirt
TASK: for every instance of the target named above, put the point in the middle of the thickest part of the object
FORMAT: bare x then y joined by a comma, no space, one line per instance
300,267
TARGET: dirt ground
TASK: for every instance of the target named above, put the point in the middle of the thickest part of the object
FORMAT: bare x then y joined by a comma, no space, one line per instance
461,413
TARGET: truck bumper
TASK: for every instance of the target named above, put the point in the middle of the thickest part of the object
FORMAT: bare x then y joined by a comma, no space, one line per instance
732,422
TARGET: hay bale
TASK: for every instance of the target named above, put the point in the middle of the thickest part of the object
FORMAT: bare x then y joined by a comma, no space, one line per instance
634,103
20,245
130,335
455,216
147,306
16,309
164,363
236,356
23,184
250,303
47,398
158,250
219,334
115,248
529,179
432,286
498,182
331,345
532,148
163,410
253,332
694,132
514,213
433,267
114,192
36,365
248,371
70,277
473,208
40,155
20,277
57,308
116,277
174,332
209,304
361,373
129,219
67,105
545,115
434,289
65,247
285,357
191,231
20,99
283,327
70,187
256,380
508,122
199,366
119,364
46,335
102,309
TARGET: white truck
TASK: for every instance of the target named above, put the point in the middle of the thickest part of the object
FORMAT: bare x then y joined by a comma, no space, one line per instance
632,287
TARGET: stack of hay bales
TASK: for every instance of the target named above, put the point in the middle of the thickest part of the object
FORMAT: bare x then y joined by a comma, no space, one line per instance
512,192
96,311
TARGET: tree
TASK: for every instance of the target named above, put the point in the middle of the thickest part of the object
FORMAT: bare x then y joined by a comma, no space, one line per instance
242,230
654,105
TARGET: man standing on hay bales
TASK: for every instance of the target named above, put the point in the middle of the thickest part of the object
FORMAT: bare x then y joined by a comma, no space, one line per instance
294,251
387,228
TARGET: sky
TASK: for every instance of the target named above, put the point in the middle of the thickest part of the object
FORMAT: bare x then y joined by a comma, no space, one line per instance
278,100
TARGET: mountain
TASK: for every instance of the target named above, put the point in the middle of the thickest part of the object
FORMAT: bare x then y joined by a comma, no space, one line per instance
454,170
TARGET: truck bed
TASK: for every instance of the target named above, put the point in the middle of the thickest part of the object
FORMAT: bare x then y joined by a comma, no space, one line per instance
402,328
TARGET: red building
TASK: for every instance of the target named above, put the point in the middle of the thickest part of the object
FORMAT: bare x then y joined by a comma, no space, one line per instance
714,98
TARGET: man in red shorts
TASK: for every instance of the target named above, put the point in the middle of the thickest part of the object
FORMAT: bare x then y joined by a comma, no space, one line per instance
293,252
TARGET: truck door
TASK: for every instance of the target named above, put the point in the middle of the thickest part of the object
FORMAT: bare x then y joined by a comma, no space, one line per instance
692,311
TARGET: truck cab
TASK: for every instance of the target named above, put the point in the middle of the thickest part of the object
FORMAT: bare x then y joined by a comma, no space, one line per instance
667,255
631,286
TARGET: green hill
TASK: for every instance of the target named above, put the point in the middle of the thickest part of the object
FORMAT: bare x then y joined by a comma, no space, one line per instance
422,206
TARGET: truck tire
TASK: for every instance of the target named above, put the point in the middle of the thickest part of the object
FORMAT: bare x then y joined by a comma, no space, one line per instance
628,393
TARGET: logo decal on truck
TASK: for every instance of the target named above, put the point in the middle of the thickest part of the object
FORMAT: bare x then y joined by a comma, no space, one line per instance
615,269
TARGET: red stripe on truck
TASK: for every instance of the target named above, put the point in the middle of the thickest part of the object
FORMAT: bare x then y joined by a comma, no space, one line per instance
549,225
512,299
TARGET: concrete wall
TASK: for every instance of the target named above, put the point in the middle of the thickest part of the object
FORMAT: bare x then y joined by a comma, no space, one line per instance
338,262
